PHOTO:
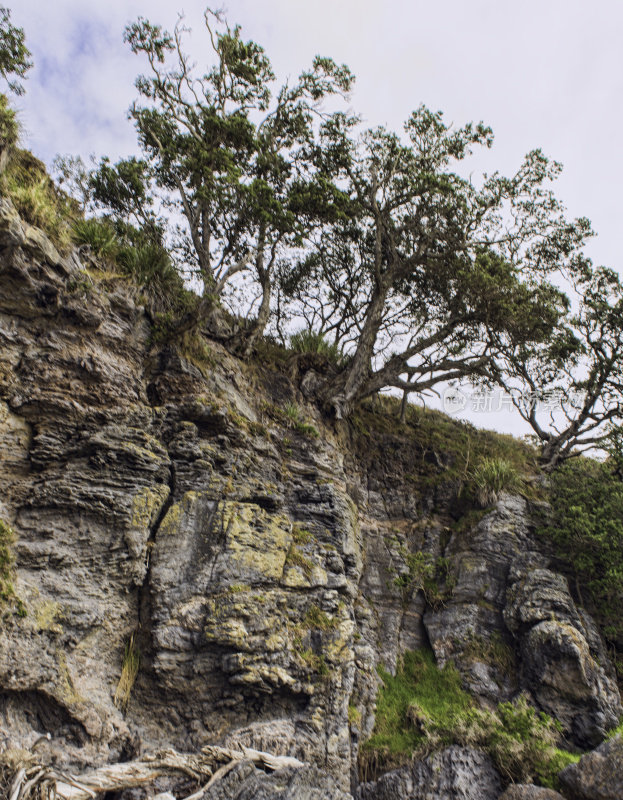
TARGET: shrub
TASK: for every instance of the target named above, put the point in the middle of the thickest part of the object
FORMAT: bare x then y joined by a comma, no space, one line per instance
586,530
521,741
492,476
422,708
149,265
426,574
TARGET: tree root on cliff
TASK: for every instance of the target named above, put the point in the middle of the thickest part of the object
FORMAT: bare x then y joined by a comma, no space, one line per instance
32,781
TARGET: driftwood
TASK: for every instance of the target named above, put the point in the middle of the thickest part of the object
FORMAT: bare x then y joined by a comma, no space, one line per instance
42,783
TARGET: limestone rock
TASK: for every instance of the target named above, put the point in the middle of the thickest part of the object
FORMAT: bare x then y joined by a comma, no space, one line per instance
456,773
598,775
564,662
245,782
469,627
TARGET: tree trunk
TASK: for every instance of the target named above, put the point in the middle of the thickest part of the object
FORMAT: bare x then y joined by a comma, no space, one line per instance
349,386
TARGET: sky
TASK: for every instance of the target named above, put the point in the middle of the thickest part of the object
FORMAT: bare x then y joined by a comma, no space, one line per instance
541,73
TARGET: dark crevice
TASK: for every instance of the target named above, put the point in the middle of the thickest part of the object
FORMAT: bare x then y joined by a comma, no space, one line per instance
144,600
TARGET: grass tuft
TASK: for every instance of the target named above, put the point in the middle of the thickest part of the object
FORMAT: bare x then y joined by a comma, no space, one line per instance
307,341
493,476
129,671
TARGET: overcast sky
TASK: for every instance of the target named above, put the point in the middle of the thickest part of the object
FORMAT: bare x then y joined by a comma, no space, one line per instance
542,73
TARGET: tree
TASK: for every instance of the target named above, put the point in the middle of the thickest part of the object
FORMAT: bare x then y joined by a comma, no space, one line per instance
14,55
233,161
569,387
429,271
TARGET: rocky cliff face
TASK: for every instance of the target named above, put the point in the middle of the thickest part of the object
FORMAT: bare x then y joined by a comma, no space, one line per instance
177,510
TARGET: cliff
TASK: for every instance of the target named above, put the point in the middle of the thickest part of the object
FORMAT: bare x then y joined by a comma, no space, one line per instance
201,559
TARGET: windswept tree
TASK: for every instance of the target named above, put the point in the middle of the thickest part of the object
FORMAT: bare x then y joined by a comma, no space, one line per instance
569,387
232,159
414,281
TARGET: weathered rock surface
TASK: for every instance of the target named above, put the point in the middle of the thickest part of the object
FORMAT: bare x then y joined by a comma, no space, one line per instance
511,624
530,792
245,782
598,775
262,573
563,660
457,773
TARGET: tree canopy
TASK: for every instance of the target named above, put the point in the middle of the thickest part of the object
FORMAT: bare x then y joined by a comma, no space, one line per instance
371,243
14,55
231,158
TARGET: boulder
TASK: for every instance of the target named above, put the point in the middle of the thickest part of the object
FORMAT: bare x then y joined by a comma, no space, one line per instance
456,773
598,775
563,661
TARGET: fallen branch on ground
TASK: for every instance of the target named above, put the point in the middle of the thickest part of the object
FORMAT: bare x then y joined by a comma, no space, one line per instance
42,783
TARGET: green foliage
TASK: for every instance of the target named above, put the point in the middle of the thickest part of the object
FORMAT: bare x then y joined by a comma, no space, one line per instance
492,476
444,449
429,575
37,200
521,741
139,256
306,341
231,160
149,265
418,691
14,55
302,535
9,129
98,235
568,386
423,708
292,417
316,618
294,557
586,530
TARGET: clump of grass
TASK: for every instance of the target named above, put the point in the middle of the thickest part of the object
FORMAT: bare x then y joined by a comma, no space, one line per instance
98,235
315,662
302,535
292,413
293,418
37,200
150,266
129,671
423,708
307,341
354,715
492,476
294,557
316,618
